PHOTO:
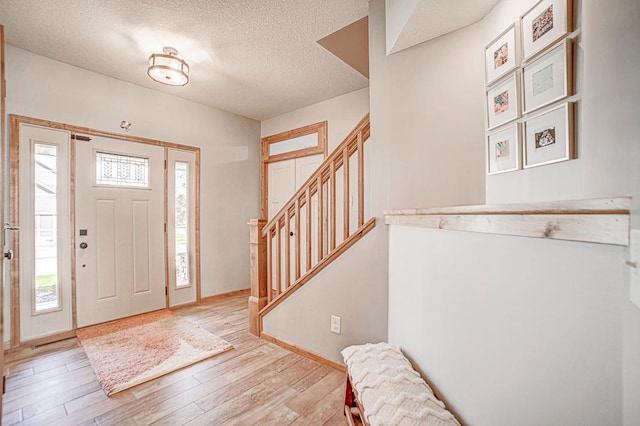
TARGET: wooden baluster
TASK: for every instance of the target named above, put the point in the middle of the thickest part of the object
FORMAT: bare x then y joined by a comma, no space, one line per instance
287,249
332,205
309,236
269,265
278,258
297,234
320,217
347,201
260,294
360,180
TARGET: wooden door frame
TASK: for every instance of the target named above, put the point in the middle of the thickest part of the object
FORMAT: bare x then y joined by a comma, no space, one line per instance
14,126
3,95
320,128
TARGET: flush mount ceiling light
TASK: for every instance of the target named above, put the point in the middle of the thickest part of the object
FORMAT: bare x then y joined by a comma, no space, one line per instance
167,68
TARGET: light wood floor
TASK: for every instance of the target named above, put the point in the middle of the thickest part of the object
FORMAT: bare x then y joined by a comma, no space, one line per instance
255,383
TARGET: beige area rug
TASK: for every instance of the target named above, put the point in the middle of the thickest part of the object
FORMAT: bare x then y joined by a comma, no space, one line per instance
130,351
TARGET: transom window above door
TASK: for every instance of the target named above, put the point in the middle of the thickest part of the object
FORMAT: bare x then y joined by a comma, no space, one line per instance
121,170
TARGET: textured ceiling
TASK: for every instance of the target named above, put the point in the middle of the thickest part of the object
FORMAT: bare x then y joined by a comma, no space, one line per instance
257,58
410,22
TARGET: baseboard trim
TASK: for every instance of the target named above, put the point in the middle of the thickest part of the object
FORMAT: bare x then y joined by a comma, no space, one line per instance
35,343
297,349
222,296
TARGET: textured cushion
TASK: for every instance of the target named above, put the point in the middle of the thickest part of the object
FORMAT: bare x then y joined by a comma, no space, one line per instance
390,390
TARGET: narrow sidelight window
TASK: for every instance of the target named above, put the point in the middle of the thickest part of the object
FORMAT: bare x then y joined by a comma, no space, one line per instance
47,279
182,224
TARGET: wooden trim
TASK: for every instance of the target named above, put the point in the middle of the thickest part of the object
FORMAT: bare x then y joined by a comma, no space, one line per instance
604,221
298,269
167,300
347,195
72,228
320,128
269,265
197,226
332,205
295,154
278,259
320,218
89,131
296,133
222,296
308,234
14,219
42,341
612,205
348,242
304,352
3,194
360,152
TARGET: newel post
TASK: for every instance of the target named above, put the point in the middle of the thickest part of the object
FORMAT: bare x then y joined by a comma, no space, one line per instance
258,250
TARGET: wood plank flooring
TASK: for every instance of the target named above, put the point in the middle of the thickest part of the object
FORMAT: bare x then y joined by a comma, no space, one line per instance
255,383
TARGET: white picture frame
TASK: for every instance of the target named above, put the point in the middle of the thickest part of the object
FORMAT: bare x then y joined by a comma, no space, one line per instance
544,24
503,101
548,78
502,55
503,150
549,137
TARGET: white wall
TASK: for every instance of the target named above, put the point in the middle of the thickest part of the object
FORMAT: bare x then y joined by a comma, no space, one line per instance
230,156
426,119
481,303
426,126
511,330
607,128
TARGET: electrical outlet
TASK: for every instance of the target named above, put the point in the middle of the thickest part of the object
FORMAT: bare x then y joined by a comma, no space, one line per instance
335,324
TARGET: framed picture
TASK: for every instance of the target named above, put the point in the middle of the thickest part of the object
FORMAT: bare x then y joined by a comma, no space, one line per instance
548,78
544,24
502,55
548,137
503,150
503,104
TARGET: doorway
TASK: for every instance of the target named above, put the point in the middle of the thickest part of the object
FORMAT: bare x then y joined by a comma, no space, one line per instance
120,259
94,242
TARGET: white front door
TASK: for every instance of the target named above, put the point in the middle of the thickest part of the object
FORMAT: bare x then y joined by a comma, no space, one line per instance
120,234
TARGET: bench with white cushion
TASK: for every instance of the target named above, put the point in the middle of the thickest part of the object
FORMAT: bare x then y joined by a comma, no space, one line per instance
384,389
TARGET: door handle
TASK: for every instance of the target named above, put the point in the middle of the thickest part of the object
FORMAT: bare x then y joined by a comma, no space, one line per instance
8,254
84,245
8,227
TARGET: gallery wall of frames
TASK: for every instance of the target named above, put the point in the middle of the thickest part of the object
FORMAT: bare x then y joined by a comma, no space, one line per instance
529,76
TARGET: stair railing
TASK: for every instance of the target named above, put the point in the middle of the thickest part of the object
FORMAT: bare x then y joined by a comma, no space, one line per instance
320,221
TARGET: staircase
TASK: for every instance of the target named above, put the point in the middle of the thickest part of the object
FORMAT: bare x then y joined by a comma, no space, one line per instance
320,222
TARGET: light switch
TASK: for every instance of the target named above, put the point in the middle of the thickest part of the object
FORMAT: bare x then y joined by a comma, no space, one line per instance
634,267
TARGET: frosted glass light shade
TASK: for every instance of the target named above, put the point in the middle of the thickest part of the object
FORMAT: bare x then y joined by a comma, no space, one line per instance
167,68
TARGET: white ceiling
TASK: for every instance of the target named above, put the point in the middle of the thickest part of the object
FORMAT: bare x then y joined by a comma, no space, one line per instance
257,58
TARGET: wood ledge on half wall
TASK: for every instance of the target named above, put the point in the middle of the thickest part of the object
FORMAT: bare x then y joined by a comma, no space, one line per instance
601,220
